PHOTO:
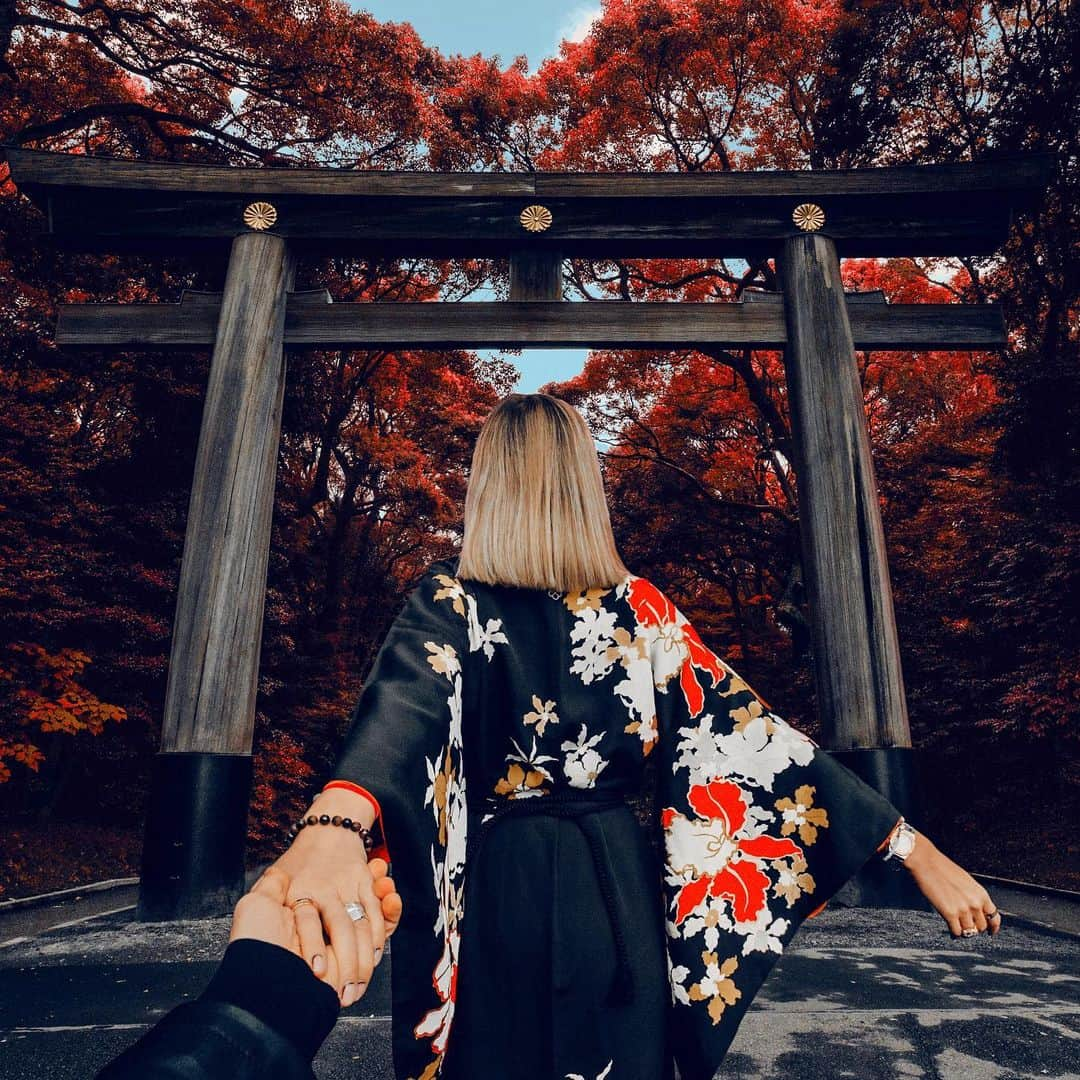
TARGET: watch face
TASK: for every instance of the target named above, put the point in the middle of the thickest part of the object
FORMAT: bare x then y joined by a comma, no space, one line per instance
904,843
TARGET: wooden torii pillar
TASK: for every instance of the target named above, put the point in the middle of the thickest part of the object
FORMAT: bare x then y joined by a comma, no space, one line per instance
193,857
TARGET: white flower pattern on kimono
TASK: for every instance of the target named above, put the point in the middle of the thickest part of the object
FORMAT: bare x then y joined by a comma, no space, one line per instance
765,934
676,977
604,1072
486,636
755,754
448,875
594,631
713,917
601,644
464,603
583,763
446,792
637,689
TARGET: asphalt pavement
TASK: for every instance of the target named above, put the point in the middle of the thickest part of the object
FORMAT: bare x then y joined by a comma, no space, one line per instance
859,993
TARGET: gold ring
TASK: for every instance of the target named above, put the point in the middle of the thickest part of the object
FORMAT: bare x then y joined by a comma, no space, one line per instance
303,900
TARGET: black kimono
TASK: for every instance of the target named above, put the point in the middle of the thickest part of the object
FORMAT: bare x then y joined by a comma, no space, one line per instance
556,945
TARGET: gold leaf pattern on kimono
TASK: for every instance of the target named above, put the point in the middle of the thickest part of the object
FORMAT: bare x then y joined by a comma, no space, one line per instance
520,781
452,590
525,774
577,599
444,658
432,1070
792,882
544,714
627,647
442,781
801,813
716,986
748,712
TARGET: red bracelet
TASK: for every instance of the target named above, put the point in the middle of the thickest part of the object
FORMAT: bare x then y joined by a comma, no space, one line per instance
350,786
380,850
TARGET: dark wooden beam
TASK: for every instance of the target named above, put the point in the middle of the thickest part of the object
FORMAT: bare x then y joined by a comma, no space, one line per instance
860,690
536,275
956,208
193,862
312,322
856,656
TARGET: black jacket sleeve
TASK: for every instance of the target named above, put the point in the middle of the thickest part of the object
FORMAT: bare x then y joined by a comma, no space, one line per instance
264,1014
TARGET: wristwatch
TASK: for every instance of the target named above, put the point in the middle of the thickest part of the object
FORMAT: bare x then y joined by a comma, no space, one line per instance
901,843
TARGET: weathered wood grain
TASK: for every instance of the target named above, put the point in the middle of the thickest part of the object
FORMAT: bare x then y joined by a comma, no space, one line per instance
217,630
536,275
311,322
857,671
1000,172
951,209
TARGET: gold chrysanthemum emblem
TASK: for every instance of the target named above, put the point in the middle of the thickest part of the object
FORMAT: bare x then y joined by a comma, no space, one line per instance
536,218
260,215
808,216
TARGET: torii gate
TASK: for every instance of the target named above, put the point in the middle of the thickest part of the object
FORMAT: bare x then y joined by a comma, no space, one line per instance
193,854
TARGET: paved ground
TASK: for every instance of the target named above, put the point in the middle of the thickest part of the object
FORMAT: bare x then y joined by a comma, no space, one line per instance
862,994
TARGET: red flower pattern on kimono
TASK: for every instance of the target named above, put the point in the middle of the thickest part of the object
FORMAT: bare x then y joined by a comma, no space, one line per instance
682,648
759,825
719,862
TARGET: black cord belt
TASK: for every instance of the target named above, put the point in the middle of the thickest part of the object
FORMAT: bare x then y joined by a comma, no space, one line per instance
576,804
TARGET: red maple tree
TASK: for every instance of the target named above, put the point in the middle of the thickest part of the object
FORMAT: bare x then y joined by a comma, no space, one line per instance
975,453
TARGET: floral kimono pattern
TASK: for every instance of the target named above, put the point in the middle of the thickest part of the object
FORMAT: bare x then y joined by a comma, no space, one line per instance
543,691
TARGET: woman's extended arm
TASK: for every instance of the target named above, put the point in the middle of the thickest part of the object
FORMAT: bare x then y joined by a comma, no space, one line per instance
330,866
954,894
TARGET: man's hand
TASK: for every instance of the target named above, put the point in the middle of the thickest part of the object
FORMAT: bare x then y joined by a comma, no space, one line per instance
261,913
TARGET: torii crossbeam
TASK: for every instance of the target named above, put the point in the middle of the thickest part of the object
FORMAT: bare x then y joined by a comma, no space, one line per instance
193,856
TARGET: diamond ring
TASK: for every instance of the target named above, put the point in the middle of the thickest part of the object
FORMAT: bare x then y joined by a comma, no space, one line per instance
356,912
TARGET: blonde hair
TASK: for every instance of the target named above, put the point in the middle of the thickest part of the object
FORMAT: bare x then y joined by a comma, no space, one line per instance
535,511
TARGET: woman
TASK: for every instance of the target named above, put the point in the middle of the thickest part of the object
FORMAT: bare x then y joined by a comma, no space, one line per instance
506,718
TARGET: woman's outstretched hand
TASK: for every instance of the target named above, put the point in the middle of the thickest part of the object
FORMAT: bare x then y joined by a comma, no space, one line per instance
329,865
956,896
263,913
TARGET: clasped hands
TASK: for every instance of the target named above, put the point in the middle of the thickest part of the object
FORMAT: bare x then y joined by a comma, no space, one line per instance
332,870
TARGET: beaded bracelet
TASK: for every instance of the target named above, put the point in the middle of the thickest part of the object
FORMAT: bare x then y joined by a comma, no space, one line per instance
337,819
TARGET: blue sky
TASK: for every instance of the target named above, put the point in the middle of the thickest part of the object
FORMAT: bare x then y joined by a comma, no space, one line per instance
491,27
497,27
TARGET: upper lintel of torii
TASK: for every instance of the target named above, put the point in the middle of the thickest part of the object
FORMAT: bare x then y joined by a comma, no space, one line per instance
111,204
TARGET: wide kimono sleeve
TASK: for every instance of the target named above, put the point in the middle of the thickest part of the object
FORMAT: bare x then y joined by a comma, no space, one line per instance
760,827
404,748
